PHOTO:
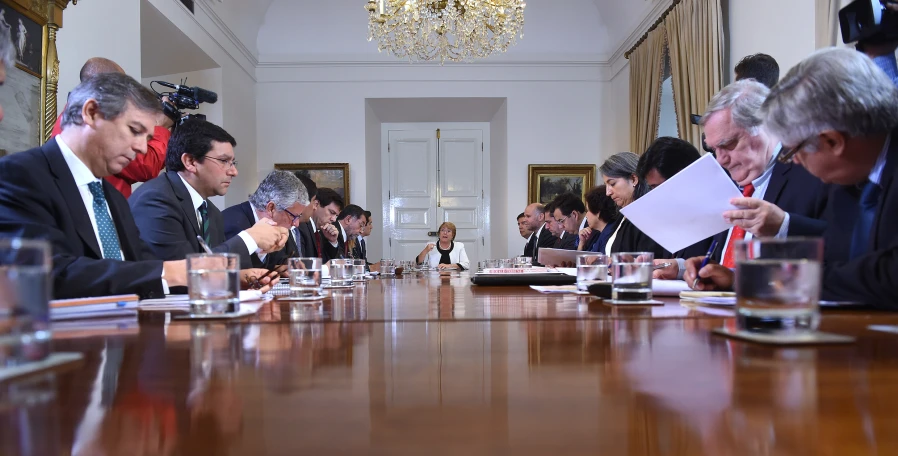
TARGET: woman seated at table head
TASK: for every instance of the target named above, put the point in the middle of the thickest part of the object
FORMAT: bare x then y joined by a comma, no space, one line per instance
623,186
446,253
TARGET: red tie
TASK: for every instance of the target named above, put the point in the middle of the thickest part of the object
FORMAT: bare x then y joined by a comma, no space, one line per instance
318,242
738,234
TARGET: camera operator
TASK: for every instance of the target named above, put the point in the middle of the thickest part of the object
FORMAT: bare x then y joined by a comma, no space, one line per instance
145,166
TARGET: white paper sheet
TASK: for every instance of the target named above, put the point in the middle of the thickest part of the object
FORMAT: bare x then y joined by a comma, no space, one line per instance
668,287
687,208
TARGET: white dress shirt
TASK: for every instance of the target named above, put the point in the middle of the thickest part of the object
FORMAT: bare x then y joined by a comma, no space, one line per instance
84,176
198,201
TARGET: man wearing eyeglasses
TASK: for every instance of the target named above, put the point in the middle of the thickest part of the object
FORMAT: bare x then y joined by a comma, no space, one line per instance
779,199
569,212
280,197
174,208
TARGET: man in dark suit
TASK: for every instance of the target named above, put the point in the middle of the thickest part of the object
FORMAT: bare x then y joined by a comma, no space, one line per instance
524,229
305,232
570,214
861,165
174,208
280,197
360,250
535,214
349,224
779,199
320,228
56,192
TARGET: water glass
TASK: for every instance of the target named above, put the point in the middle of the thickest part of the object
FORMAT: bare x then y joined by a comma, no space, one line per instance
491,264
213,283
591,268
523,262
359,268
388,267
778,285
24,301
631,274
341,272
305,278
506,263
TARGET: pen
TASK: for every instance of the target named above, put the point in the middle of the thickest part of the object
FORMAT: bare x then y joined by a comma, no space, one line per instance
705,261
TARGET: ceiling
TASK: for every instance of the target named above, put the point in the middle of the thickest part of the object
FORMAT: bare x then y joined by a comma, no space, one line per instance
317,30
158,37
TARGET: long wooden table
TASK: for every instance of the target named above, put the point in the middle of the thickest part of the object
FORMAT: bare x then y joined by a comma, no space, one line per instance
431,365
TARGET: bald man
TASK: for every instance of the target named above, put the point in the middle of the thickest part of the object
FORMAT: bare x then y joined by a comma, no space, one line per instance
145,166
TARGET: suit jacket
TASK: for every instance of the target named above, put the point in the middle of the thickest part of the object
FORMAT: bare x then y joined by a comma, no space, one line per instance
870,278
545,239
360,250
39,200
328,251
568,242
308,240
528,247
163,209
240,217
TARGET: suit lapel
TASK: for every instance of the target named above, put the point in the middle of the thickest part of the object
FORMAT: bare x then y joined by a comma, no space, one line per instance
885,181
72,196
777,182
184,198
216,225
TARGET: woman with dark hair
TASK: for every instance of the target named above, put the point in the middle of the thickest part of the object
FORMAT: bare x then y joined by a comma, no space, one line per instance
602,218
623,186
446,253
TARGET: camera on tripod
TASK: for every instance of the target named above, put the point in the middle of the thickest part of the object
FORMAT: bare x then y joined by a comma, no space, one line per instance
869,21
181,98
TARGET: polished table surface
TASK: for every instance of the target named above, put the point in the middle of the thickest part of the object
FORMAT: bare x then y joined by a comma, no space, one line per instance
533,374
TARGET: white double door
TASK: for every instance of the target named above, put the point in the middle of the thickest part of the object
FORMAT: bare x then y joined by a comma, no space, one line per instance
435,176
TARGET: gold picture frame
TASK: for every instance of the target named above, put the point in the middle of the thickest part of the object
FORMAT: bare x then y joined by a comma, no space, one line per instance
325,175
548,181
32,25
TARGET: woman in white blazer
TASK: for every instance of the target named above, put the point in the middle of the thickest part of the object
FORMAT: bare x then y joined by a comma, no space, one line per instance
445,254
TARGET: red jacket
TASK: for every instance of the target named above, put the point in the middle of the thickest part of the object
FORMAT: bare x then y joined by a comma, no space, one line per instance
143,168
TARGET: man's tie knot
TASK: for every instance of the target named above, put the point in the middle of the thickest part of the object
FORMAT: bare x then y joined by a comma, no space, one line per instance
96,189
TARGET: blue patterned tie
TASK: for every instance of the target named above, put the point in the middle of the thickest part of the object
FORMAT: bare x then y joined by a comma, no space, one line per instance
860,241
204,214
108,236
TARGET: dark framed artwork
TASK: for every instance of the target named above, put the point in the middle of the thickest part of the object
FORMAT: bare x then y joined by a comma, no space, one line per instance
548,181
325,175
27,37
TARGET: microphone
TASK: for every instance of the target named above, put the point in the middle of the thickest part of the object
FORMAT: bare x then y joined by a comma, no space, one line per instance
197,93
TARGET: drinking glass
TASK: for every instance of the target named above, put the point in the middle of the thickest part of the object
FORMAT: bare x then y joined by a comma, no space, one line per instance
305,278
341,272
523,262
591,268
506,263
359,268
778,285
631,276
24,301
388,267
213,283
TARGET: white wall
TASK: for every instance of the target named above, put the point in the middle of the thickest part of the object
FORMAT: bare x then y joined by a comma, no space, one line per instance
317,114
783,29
616,114
87,32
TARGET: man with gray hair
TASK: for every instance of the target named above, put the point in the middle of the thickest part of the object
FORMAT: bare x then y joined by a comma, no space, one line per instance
779,199
837,115
280,197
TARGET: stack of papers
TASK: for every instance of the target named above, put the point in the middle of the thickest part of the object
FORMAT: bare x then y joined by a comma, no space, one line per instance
515,271
104,306
181,302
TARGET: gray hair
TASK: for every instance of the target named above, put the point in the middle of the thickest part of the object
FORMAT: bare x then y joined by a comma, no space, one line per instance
7,52
282,188
620,165
744,99
833,89
112,91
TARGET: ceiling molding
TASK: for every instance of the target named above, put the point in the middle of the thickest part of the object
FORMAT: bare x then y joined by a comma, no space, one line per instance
657,10
229,34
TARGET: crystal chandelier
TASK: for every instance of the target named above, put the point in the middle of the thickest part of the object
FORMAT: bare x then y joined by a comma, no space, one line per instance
457,30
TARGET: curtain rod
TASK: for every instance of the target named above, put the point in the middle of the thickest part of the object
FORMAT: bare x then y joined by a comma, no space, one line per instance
653,27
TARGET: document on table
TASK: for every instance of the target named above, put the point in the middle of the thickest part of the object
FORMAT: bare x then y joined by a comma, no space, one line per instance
687,208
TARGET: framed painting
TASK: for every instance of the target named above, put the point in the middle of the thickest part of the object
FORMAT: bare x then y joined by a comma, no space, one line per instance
548,181
29,95
325,175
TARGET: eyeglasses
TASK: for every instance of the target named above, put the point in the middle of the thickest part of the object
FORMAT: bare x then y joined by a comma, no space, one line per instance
786,155
228,163
295,217
561,220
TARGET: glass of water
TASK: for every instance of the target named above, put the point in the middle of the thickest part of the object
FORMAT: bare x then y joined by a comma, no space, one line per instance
387,267
359,268
631,274
24,301
305,278
523,262
341,272
591,268
213,283
778,285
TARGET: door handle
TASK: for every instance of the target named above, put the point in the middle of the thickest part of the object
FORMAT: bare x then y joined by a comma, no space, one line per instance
433,233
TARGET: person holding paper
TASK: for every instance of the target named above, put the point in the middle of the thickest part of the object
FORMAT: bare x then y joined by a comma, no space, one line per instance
623,186
602,218
837,114
446,253
779,199
535,214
